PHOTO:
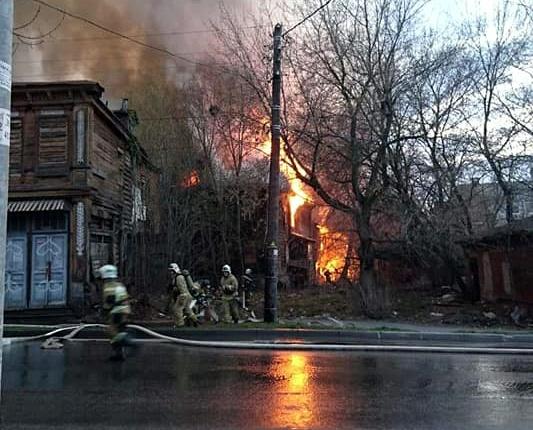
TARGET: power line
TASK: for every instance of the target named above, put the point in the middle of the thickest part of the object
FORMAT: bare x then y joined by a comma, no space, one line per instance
41,36
118,34
306,18
89,71
31,21
100,58
140,35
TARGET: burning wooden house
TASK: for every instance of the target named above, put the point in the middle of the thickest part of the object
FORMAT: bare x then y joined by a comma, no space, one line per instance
299,240
317,247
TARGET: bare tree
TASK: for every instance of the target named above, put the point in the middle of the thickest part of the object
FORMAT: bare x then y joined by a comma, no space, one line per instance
500,47
351,69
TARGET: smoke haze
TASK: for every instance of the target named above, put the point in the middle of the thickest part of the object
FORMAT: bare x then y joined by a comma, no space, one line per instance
77,50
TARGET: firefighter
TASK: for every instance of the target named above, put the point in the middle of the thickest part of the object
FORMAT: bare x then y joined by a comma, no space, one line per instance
193,287
117,308
230,294
181,297
248,286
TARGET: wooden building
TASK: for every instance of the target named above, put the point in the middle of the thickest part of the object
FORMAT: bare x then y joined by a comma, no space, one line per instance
298,245
501,263
77,177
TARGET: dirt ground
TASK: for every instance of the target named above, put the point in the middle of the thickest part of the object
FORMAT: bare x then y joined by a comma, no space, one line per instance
406,305
415,305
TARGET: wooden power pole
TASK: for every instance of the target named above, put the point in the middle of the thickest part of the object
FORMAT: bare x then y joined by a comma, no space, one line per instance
272,244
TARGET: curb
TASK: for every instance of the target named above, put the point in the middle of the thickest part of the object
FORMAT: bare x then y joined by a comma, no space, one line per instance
307,335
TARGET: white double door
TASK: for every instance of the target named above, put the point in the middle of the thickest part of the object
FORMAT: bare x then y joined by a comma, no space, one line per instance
47,271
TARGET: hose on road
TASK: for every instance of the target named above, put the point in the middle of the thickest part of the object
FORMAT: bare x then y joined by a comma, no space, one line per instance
74,330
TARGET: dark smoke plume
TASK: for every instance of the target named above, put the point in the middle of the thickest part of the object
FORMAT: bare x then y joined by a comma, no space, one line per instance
76,50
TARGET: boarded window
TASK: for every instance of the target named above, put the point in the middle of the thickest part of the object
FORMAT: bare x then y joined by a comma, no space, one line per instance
53,133
138,212
15,150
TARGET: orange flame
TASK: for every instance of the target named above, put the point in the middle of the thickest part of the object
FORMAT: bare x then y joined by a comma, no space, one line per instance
191,180
332,254
298,196
333,245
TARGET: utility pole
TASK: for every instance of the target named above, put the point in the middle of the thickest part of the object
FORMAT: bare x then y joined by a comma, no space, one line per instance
6,30
272,250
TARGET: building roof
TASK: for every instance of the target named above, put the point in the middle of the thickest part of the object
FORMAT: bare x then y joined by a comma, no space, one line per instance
518,230
94,89
25,86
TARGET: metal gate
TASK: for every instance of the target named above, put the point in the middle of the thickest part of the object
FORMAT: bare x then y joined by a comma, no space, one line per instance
49,270
16,273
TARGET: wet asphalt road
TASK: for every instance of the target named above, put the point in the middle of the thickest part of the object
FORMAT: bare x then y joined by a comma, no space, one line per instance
168,387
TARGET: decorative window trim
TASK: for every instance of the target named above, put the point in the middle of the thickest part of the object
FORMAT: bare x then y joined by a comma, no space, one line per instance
81,136
80,229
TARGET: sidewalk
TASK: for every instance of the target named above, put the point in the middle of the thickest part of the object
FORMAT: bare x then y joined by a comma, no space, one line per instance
394,325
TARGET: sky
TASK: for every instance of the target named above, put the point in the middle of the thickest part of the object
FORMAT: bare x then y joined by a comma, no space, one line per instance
76,50
442,13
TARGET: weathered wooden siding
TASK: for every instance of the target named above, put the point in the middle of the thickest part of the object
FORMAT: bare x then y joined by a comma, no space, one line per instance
15,150
112,184
66,144
53,140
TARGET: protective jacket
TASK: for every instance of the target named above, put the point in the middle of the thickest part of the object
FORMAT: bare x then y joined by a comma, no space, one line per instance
115,298
230,286
179,286
182,301
191,285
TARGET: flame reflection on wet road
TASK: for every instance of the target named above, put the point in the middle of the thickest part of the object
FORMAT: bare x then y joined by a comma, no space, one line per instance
293,398
169,387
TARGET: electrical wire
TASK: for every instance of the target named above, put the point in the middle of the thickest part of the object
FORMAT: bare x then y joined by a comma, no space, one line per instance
306,18
31,21
41,36
99,58
139,35
118,34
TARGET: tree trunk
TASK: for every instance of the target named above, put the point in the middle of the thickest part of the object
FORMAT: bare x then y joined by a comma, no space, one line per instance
224,234
238,228
347,261
371,291
508,206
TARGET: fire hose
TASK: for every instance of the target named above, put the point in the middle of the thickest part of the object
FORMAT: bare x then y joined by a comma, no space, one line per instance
73,331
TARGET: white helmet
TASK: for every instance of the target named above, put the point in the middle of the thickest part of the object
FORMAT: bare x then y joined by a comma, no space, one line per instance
174,267
248,272
108,272
226,268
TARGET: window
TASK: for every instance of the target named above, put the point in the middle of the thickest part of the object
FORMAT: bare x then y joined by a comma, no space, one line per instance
16,223
53,134
529,207
15,149
138,209
517,208
50,221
